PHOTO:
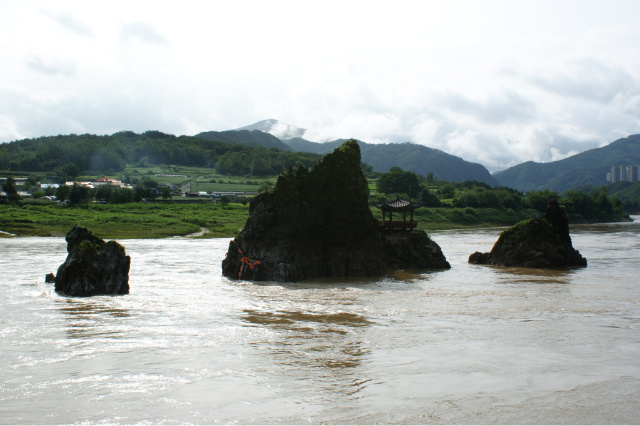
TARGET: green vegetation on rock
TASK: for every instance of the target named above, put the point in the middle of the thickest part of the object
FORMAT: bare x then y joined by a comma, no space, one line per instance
536,243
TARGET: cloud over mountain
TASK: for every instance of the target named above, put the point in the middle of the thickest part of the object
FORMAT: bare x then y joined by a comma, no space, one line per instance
493,82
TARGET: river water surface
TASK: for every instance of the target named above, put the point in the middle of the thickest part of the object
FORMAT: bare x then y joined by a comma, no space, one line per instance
474,344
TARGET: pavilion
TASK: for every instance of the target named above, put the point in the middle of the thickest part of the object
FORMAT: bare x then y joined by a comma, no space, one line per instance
400,206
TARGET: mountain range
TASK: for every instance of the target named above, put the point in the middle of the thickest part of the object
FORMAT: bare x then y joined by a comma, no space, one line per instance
588,168
269,146
381,157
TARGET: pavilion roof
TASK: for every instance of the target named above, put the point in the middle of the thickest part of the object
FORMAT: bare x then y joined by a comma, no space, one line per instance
397,205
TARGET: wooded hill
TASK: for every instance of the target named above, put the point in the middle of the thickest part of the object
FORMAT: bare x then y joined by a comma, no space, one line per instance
254,152
409,157
253,138
62,154
587,168
381,157
232,152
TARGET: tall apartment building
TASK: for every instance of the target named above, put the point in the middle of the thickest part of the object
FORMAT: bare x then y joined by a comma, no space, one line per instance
624,174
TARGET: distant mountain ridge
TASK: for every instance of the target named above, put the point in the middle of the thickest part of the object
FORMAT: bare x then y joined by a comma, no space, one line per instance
253,138
411,157
583,169
381,157
587,168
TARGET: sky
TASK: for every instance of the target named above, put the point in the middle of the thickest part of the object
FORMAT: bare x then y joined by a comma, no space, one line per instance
493,82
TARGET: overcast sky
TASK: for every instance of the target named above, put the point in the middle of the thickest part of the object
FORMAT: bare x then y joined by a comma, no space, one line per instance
495,82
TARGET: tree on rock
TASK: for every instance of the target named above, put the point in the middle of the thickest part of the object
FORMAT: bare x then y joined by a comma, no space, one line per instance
397,181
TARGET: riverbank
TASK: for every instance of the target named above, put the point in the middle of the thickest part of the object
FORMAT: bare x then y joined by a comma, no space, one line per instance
124,221
205,220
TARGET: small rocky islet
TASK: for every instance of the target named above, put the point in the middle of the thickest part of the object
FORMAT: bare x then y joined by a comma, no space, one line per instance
93,267
536,243
317,223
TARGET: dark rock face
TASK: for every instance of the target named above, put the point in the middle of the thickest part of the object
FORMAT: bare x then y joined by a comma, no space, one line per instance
93,266
536,243
314,223
317,223
413,250
50,278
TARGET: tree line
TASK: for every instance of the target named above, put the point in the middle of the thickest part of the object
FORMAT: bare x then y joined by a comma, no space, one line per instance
593,206
68,156
144,189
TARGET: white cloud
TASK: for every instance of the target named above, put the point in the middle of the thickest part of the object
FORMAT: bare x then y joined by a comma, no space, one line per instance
69,22
142,30
367,126
497,82
9,128
51,66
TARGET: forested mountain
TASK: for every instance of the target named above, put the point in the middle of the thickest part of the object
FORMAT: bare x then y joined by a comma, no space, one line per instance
587,168
253,138
408,156
60,155
242,152
381,157
303,145
236,152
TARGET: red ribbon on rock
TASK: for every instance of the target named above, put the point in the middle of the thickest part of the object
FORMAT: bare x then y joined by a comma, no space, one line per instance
245,260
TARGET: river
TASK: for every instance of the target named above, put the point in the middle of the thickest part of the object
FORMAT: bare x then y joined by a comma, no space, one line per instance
474,344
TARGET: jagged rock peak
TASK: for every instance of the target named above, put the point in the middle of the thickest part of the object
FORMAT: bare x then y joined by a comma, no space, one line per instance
317,223
314,223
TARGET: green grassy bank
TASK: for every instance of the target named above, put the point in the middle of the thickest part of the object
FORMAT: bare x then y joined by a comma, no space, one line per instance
456,218
159,220
135,220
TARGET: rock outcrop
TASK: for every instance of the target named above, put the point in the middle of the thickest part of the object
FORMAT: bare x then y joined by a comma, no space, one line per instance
412,250
93,266
536,243
314,223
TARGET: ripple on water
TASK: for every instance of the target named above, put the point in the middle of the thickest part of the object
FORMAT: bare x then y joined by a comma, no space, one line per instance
473,344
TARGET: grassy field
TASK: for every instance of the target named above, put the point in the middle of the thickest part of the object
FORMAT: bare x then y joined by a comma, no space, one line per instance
200,178
159,220
456,218
135,220
459,218
223,187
